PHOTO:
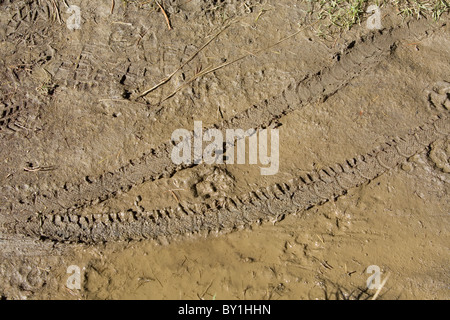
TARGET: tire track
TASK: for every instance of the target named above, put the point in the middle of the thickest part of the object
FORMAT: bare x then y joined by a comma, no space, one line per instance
357,58
8,116
226,214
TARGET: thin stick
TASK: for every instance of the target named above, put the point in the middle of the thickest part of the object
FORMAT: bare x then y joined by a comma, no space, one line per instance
113,4
167,79
174,195
165,15
201,74
57,11
36,169
122,100
380,288
231,62
124,23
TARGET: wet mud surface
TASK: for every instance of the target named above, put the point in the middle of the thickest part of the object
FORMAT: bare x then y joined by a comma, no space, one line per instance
87,177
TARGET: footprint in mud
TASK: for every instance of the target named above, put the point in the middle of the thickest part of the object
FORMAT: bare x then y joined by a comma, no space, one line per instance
25,277
22,15
8,115
213,183
440,155
439,96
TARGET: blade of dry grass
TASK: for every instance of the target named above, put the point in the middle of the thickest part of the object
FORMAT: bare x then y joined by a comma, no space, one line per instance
375,296
165,15
207,71
169,77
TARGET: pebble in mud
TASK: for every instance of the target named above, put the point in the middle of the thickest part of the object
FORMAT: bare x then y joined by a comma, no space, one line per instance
439,155
407,166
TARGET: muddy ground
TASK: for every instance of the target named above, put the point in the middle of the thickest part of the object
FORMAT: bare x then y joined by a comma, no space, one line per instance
85,153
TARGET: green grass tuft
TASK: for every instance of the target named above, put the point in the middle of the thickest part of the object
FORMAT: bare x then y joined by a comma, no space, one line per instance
341,15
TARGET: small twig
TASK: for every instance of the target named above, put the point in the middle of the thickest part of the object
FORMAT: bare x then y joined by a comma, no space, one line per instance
165,15
124,23
57,11
261,13
37,169
380,288
167,79
113,4
122,100
156,86
232,62
21,126
207,288
174,194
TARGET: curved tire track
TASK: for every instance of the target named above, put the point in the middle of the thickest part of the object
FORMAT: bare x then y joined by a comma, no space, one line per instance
358,57
226,214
